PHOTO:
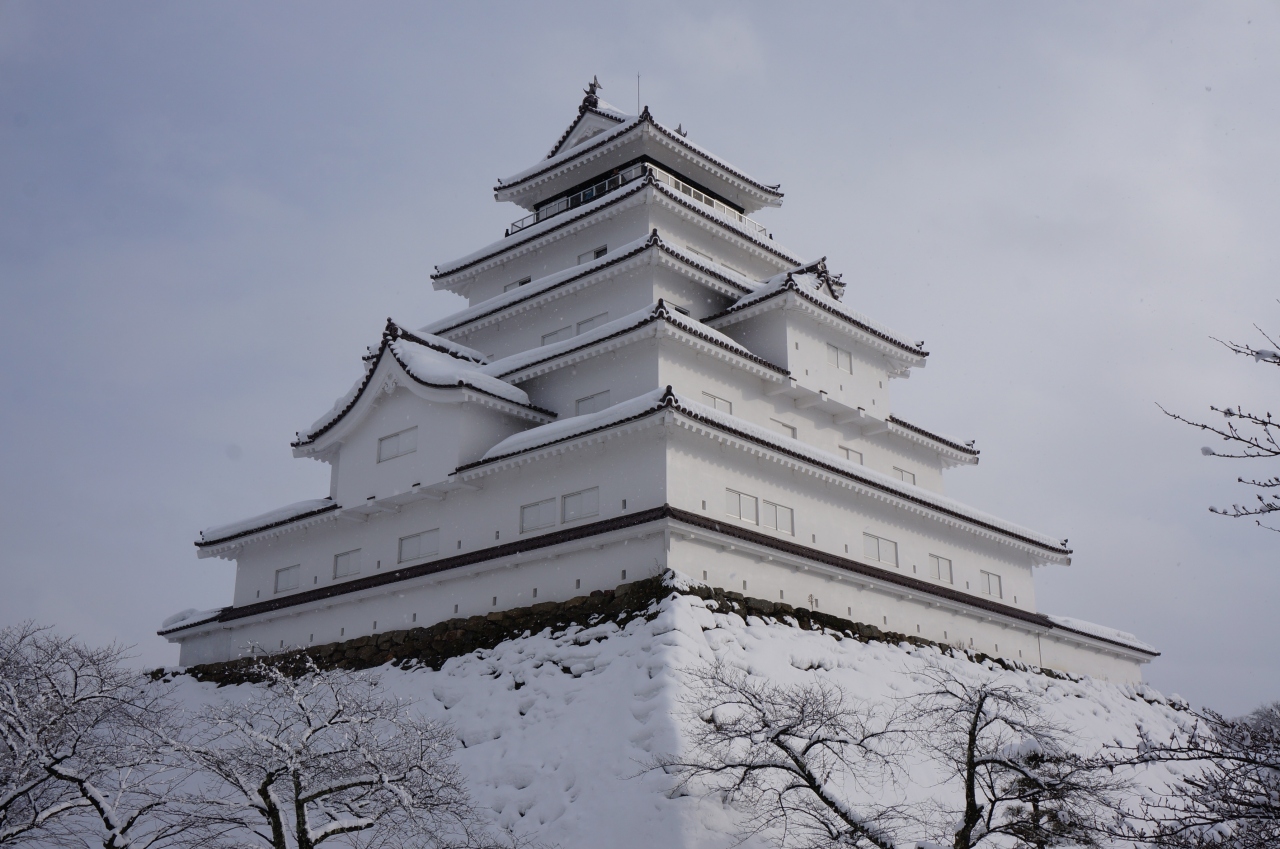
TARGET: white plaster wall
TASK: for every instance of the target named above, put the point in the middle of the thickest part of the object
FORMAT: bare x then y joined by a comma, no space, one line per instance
467,520
449,434
834,519
626,373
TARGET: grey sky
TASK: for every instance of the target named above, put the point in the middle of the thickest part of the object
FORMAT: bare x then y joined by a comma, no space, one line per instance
207,211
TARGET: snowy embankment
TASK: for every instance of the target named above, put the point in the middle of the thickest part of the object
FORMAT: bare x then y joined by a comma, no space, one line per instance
556,729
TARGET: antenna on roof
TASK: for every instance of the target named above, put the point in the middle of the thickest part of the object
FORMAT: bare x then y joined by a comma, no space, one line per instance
637,92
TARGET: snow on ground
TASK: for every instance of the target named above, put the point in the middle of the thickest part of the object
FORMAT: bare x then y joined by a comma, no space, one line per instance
556,728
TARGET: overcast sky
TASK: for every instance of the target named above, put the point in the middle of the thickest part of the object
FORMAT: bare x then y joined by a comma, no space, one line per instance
208,210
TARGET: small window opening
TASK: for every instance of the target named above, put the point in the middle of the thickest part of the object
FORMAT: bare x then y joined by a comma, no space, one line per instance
744,586
495,601
577,585
624,504
342,632
455,610
781,595
624,574
415,617
535,592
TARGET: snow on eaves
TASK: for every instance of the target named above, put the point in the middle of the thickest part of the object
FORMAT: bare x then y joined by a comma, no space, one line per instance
444,269
568,428
435,368
431,360
792,281
658,399
545,284
278,516
654,312
1092,629
528,290
189,617
631,122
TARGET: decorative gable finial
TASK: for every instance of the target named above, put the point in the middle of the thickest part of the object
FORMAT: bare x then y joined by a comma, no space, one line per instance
681,131
591,100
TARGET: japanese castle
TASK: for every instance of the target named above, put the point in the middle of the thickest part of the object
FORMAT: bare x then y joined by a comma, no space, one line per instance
644,380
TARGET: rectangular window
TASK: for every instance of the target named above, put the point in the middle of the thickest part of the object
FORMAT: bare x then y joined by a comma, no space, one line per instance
990,583
593,322
288,578
840,358
904,476
592,403
786,429
940,569
595,254
424,544
741,506
878,548
778,518
717,403
851,455
398,444
516,285
580,505
540,515
558,335
347,563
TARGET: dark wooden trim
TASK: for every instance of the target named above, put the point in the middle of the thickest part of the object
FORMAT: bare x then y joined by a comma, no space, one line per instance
204,543
964,449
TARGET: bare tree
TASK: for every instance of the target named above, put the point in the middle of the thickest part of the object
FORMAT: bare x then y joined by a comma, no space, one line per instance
793,756
1249,436
1020,779
295,762
1229,792
79,763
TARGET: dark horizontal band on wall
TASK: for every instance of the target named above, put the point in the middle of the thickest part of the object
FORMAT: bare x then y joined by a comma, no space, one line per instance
845,564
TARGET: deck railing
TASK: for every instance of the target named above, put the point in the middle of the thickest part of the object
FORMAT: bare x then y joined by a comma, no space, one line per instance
630,175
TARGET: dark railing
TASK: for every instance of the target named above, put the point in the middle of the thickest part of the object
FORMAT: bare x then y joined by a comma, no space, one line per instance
630,175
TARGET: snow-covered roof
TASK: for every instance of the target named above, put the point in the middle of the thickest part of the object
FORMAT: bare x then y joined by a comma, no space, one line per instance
1102,632
188,618
429,360
812,288
949,441
657,400
600,108
556,222
654,312
498,303
628,124
272,518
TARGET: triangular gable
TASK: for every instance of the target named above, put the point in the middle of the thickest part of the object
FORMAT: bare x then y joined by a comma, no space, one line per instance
594,117
413,361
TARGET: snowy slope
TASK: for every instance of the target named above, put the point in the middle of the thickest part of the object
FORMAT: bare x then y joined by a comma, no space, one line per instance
557,727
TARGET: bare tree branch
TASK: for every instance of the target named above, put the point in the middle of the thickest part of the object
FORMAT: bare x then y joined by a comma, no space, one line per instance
792,757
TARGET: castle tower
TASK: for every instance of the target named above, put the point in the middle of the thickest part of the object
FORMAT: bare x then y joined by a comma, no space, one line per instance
644,379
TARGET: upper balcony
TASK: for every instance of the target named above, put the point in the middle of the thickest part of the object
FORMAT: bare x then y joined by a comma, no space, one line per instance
630,175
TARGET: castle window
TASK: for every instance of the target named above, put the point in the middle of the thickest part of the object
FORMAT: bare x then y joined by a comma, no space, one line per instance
840,358
592,403
287,578
580,505
786,429
516,285
540,515
419,545
778,518
347,563
717,403
593,322
940,569
904,476
594,254
851,455
398,444
990,584
741,506
878,548
558,335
